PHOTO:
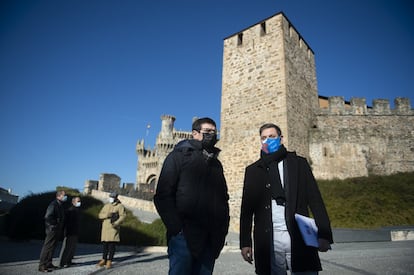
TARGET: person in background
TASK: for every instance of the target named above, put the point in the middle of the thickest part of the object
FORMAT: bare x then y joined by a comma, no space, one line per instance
112,215
276,187
71,232
192,201
54,221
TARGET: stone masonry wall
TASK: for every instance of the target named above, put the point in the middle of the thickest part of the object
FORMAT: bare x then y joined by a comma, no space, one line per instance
268,76
301,90
127,201
361,141
109,182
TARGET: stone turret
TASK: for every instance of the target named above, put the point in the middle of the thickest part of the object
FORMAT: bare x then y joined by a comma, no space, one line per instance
165,139
150,161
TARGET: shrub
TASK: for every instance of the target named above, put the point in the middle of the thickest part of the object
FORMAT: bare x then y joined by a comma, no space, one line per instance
26,221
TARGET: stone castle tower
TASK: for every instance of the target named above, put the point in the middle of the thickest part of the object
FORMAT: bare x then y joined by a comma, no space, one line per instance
269,76
150,160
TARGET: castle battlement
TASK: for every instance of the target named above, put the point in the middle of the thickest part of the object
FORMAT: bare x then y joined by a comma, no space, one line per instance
301,43
357,106
269,26
182,135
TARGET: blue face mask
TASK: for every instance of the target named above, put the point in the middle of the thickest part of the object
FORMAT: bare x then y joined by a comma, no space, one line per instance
270,145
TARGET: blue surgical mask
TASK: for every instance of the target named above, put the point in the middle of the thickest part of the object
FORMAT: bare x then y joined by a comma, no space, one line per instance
270,145
78,204
111,200
65,198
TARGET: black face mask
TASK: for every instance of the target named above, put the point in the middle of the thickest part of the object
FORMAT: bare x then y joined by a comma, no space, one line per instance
209,140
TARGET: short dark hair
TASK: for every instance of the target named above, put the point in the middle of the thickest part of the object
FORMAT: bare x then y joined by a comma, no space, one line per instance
270,125
197,123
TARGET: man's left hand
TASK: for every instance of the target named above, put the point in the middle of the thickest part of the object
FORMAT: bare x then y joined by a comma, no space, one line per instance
324,245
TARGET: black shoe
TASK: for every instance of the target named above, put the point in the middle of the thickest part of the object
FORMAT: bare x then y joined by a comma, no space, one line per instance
51,266
44,269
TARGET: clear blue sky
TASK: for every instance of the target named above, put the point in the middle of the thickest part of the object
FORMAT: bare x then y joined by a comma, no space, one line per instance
80,80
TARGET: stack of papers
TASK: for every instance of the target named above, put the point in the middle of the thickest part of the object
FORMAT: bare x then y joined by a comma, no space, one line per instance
309,230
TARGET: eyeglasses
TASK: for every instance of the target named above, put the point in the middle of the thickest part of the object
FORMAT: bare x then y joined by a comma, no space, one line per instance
208,131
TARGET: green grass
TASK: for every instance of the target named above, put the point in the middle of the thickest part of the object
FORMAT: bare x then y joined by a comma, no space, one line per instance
370,202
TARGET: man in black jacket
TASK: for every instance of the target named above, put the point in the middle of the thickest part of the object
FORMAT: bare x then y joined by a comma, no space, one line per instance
71,233
276,187
192,200
54,220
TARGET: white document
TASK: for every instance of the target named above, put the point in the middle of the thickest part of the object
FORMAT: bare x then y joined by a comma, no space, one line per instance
309,230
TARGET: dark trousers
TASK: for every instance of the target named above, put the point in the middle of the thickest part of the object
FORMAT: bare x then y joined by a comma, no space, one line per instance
182,262
68,250
108,250
49,246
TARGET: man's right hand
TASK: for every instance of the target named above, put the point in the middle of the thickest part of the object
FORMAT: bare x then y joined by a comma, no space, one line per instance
247,254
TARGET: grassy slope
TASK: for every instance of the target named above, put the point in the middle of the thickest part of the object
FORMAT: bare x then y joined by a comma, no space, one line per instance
370,202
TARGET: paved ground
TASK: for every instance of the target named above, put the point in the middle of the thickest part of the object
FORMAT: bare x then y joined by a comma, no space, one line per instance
365,252
365,258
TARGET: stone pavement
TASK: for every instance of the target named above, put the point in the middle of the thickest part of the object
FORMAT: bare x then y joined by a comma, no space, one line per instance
365,258
365,252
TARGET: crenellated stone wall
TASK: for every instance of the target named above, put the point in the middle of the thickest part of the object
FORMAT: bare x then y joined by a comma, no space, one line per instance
359,141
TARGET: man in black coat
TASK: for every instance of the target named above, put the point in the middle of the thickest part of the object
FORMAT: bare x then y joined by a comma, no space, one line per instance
71,233
276,187
192,201
54,220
